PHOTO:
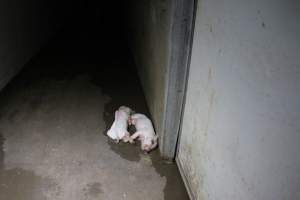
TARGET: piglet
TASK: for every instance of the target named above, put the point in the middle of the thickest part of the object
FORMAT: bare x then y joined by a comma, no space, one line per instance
118,130
144,132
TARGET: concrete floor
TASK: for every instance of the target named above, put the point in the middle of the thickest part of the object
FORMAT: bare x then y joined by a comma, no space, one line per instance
53,116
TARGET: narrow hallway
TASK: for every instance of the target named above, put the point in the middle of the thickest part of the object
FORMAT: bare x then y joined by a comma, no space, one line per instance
53,118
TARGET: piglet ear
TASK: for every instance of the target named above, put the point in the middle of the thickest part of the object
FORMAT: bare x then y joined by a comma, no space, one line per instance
154,142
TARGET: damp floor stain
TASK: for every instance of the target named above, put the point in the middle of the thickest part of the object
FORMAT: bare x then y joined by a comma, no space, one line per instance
93,190
22,184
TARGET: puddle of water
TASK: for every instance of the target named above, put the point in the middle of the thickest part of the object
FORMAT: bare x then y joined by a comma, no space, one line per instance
125,150
174,188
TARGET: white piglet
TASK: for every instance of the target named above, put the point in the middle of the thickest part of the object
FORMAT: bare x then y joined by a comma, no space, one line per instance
144,131
118,130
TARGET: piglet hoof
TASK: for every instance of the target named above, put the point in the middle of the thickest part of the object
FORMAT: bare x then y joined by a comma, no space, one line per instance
125,140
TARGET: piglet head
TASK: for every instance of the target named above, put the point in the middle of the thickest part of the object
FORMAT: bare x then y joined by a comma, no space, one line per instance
146,148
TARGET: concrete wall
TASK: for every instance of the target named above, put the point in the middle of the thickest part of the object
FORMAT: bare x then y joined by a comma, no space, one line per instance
25,26
149,38
240,135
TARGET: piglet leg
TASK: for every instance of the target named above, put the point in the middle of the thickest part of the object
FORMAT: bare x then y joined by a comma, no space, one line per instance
134,136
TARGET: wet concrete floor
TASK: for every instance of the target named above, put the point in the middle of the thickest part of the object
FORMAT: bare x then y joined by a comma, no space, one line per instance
52,119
